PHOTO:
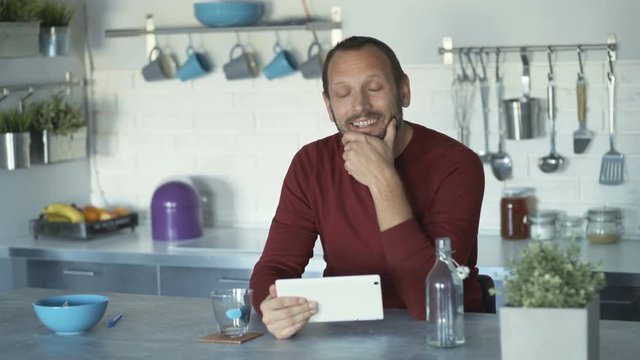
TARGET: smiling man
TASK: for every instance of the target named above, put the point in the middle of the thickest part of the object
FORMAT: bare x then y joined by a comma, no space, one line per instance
377,194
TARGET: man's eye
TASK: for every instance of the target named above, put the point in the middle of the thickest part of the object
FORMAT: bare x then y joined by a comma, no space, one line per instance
341,94
375,88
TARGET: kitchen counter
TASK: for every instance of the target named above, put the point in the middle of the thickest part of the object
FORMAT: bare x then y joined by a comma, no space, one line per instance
165,327
240,248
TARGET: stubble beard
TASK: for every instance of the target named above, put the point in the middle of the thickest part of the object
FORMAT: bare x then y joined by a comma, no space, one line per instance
397,115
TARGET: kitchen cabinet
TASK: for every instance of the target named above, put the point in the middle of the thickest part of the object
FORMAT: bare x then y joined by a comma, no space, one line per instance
199,282
620,299
89,276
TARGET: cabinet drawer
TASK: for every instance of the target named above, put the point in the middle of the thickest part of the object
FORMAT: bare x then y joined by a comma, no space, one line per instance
200,282
86,276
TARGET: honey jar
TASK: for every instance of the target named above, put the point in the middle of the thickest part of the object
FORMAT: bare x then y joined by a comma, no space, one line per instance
515,206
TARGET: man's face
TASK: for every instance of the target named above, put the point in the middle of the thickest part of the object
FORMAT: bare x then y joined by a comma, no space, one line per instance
362,95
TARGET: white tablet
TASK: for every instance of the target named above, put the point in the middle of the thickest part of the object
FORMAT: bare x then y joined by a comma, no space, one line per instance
340,298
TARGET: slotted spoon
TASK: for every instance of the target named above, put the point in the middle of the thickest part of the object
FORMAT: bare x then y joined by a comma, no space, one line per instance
612,167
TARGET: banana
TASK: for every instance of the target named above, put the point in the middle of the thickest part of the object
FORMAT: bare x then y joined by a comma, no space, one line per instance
63,210
56,218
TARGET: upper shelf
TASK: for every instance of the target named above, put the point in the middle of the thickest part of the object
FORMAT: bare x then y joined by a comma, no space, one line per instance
312,25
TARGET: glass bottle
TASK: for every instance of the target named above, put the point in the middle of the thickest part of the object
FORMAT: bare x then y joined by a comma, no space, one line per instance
444,300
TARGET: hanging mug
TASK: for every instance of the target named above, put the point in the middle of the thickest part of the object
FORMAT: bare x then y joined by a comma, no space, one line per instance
312,68
242,66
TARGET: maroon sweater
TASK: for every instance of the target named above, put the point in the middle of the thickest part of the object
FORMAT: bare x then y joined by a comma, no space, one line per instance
444,183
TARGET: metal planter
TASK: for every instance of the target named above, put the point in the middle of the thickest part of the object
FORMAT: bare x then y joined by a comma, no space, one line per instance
14,150
54,41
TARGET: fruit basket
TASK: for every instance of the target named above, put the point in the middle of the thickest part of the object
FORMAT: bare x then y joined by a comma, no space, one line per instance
83,230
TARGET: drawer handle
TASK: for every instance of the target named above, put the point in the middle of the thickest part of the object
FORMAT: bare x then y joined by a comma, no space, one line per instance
232,280
78,272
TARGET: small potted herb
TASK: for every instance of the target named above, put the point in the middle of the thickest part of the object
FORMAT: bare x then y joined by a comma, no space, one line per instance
552,305
54,17
18,28
15,138
59,131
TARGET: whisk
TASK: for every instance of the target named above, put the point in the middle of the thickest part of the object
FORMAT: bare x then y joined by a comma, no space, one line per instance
463,92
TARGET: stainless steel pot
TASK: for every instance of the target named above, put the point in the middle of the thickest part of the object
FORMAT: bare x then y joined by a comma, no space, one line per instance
524,115
14,150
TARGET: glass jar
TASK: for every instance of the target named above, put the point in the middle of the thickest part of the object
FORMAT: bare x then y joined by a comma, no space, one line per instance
543,224
571,227
515,206
604,225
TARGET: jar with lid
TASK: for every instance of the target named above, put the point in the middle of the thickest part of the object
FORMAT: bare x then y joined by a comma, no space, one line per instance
543,224
571,227
604,225
515,206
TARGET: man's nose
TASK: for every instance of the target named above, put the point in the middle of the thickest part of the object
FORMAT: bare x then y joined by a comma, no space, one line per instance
361,101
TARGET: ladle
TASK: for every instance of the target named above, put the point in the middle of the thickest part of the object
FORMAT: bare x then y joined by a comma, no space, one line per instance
553,161
501,164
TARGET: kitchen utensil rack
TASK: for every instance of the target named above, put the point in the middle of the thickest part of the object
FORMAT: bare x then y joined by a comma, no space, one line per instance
66,85
448,50
151,31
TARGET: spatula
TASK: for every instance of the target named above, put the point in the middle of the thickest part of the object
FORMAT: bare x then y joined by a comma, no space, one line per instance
581,137
612,167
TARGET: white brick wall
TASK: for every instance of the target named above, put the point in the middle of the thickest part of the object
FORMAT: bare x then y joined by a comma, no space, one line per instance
237,138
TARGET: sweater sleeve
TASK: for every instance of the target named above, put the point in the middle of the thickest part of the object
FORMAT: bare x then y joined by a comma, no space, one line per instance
291,236
453,212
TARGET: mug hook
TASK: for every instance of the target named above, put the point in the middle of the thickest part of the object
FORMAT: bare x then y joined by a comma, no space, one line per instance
463,76
473,68
497,64
550,58
581,73
480,55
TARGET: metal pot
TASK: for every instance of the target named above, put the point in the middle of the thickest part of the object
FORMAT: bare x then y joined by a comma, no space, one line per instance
524,115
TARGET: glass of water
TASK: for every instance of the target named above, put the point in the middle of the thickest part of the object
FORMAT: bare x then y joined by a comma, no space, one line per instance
232,310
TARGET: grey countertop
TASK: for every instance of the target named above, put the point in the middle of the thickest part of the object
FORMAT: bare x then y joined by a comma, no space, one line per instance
163,327
241,247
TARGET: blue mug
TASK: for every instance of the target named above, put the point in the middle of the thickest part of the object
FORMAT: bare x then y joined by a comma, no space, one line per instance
282,64
195,66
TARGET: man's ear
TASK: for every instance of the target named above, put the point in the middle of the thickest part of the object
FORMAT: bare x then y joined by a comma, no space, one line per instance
327,104
405,91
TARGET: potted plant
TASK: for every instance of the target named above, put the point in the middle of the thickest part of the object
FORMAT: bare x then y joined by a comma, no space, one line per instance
54,19
552,306
15,138
18,28
59,132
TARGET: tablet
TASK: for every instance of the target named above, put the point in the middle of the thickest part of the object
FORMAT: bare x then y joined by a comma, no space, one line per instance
339,298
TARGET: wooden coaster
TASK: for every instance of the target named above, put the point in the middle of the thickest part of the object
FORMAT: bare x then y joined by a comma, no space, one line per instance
219,338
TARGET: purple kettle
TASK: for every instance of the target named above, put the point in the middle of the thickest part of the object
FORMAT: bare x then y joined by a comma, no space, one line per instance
176,212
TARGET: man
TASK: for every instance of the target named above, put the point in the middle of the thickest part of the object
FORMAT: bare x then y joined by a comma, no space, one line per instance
377,193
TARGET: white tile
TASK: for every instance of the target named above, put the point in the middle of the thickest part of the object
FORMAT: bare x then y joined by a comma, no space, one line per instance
112,80
201,142
164,123
628,193
261,100
289,121
228,164
114,123
225,121
280,144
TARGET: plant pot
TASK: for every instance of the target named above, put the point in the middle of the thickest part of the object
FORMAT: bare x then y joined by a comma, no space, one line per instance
50,147
14,150
550,333
19,38
54,41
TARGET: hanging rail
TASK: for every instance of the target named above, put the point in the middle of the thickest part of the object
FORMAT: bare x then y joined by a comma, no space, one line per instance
67,83
448,50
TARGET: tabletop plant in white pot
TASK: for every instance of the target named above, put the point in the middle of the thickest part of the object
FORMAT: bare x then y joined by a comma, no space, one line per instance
54,17
59,131
552,306
15,138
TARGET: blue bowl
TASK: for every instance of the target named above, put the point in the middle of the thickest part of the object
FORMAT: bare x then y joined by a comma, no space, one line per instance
228,13
79,315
